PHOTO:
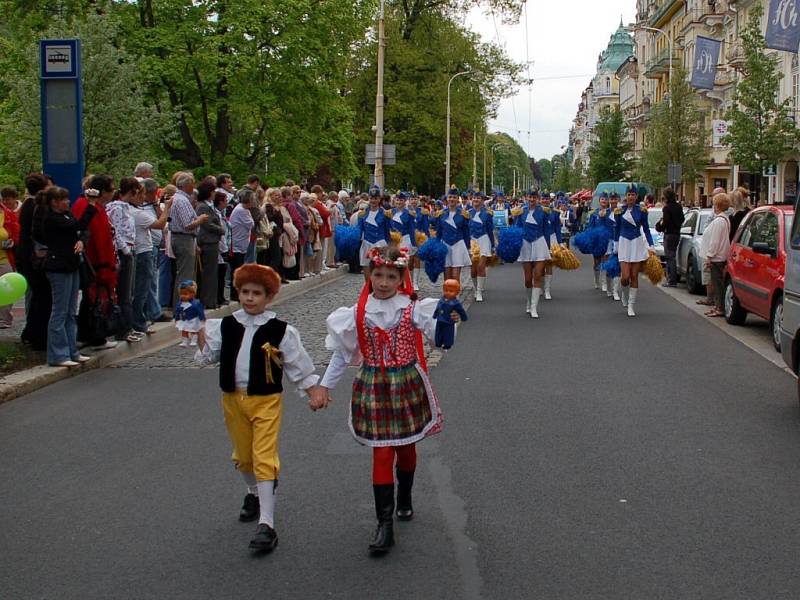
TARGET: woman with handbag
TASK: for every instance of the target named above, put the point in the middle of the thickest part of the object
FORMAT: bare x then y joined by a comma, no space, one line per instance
64,237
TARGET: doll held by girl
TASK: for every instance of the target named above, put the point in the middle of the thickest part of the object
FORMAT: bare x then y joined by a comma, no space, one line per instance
189,316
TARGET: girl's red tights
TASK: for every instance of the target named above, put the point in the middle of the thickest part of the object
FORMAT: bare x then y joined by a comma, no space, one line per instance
383,462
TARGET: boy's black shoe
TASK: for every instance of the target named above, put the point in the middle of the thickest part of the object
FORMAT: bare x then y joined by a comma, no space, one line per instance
250,509
265,538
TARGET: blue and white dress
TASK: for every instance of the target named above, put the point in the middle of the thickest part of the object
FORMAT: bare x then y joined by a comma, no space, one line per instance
374,226
535,225
481,229
452,227
632,234
403,222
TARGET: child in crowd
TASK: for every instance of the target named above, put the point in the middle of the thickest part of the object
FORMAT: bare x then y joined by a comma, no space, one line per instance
254,350
393,404
189,314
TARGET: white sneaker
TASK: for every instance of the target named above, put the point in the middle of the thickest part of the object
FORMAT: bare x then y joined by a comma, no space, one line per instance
82,359
66,363
184,343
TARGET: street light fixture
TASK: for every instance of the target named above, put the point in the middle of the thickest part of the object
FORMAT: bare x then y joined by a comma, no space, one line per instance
493,149
447,151
515,174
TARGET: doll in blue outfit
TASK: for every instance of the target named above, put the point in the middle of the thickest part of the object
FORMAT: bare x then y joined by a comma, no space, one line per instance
190,317
445,326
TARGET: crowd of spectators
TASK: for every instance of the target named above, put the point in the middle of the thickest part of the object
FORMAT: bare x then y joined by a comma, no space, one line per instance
104,269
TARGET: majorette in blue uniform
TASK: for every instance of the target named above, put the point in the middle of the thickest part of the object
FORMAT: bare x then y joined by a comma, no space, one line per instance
452,227
612,283
554,221
601,218
534,220
634,242
422,228
404,223
374,225
481,231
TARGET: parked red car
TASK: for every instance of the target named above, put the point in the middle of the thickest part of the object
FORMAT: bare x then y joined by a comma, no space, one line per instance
754,275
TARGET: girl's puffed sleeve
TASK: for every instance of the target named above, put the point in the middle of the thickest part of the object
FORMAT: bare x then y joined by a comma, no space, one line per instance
423,317
209,355
342,340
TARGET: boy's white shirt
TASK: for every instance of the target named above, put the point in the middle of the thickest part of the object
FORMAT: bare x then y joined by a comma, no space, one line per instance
297,364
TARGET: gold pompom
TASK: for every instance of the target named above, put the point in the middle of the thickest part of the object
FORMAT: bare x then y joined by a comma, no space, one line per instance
653,269
396,238
475,251
421,238
564,258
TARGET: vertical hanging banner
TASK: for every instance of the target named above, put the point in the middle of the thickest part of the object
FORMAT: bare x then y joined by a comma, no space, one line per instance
62,113
783,25
706,58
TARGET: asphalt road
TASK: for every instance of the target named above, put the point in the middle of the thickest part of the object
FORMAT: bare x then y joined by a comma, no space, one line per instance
585,455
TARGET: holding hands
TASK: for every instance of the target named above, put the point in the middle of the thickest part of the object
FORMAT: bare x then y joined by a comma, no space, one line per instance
318,397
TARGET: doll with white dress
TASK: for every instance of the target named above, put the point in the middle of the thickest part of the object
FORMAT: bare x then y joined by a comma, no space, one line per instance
190,317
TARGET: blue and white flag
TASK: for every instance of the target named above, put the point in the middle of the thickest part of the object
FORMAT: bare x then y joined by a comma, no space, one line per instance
706,58
783,25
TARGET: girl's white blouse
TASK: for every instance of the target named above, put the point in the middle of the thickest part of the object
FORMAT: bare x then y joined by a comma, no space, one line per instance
297,364
342,338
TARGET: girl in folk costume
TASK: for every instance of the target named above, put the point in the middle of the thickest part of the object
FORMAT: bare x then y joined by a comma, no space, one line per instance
255,350
422,227
374,225
601,217
534,220
393,404
481,230
632,234
452,227
554,222
403,222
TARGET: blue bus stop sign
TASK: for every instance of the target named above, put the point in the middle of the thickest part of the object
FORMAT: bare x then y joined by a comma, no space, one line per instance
62,113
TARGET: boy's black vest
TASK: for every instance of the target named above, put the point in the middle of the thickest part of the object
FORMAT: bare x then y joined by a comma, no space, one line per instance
232,334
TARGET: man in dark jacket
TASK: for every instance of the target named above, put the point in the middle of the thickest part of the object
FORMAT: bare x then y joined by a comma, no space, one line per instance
208,235
671,222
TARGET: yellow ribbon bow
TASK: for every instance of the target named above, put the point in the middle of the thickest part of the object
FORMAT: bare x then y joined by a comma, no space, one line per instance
271,354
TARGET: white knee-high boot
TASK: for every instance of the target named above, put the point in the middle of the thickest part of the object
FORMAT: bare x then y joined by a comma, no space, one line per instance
603,281
548,281
529,296
479,289
616,282
609,286
537,293
632,301
623,295
596,279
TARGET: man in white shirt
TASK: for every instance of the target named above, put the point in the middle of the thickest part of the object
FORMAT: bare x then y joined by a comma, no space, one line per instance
241,224
145,222
715,249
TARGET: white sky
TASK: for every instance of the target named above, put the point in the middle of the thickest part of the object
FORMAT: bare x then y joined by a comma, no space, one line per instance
564,39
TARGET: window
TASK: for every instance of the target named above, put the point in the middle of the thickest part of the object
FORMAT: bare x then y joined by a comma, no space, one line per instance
767,231
704,219
788,234
691,221
750,229
795,237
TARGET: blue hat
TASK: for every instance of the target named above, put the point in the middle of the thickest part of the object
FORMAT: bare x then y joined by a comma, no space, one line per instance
464,195
614,195
374,191
402,196
453,192
480,195
632,188
604,195
535,193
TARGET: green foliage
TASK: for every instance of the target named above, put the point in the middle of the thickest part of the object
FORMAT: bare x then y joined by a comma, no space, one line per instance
507,157
545,179
119,129
761,130
676,133
608,156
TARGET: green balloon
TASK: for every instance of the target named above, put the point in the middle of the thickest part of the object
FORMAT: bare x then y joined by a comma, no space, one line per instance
12,288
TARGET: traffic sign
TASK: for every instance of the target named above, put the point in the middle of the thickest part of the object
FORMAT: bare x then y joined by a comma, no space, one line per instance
389,154
674,173
770,170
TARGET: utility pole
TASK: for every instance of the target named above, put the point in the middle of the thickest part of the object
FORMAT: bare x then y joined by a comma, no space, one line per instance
484,162
474,156
447,148
379,179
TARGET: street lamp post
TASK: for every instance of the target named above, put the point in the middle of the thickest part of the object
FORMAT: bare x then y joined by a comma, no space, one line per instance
671,54
447,150
379,180
515,174
493,149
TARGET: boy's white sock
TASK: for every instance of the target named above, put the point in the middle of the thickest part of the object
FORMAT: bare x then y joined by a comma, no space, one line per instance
266,498
250,481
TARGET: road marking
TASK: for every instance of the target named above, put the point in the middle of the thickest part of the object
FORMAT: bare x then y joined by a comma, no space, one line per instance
751,335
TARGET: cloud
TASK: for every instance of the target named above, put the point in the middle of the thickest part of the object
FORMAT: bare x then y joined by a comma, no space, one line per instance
564,41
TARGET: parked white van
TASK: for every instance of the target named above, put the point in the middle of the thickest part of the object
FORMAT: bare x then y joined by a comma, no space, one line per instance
790,328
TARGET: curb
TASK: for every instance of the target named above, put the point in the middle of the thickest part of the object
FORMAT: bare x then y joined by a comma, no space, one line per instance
24,382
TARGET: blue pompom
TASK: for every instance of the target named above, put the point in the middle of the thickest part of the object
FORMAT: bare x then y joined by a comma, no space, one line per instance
611,266
348,241
583,241
510,244
434,254
600,238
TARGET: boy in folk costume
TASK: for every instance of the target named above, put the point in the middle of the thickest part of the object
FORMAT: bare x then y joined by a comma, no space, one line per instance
393,404
254,350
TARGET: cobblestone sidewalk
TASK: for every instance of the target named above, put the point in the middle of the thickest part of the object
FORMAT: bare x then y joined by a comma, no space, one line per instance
306,312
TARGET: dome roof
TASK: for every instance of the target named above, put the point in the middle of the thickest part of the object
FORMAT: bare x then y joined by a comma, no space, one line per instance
620,48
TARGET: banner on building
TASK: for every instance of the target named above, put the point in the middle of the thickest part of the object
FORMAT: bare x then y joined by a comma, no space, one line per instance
783,25
719,129
706,59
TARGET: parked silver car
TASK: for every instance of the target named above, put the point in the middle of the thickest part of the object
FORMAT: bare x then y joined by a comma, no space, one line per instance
690,265
654,215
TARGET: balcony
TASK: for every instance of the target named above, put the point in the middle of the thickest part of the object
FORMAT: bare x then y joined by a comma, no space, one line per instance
658,65
662,12
735,54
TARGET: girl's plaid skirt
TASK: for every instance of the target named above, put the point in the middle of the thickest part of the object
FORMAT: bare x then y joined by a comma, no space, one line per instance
393,407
